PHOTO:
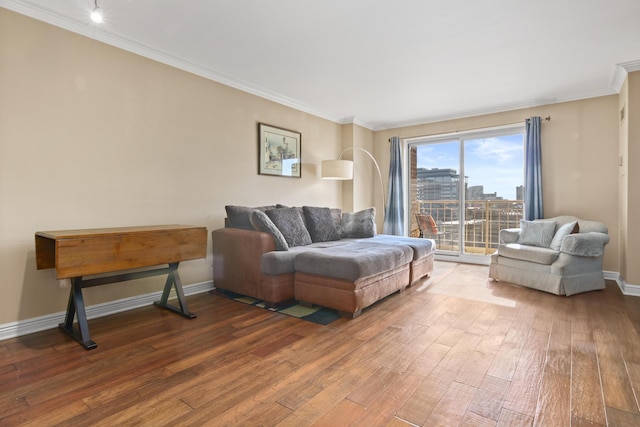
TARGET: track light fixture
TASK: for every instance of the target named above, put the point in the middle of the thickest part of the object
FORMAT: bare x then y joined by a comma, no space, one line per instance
96,14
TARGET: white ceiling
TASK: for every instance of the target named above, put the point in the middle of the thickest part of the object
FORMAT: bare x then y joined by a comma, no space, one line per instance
378,63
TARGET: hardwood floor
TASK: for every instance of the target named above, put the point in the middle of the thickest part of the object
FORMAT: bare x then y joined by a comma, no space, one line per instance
456,349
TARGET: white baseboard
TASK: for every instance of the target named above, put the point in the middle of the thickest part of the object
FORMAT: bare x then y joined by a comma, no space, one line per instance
50,321
626,288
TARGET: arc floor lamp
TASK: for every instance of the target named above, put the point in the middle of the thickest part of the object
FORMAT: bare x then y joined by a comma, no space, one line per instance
343,169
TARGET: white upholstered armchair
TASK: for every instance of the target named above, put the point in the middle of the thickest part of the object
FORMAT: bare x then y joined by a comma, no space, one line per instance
561,255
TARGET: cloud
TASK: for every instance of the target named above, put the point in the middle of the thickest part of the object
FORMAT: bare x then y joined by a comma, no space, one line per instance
499,150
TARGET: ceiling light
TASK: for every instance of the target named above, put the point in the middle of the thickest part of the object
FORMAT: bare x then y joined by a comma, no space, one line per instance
96,14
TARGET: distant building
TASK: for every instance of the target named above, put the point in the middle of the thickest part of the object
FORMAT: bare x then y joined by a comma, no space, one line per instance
438,184
520,192
476,192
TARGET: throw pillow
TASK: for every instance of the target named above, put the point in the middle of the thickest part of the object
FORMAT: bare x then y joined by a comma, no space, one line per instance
336,216
359,224
563,231
536,233
320,224
239,216
262,222
289,222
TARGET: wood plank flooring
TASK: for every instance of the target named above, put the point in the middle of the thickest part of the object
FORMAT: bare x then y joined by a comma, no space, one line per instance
454,350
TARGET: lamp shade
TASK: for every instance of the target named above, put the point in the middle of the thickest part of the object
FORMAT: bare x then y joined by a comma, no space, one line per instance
337,169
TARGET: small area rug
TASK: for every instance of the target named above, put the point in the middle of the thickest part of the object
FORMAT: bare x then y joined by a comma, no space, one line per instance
315,314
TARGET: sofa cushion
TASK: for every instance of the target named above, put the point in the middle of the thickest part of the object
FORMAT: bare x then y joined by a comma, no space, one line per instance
355,261
289,222
261,222
563,231
359,224
336,216
421,247
536,233
280,262
535,254
239,216
320,224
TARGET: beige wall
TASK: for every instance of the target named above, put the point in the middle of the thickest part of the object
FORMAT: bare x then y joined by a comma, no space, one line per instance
623,182
580,157
364,191
93,136
631,178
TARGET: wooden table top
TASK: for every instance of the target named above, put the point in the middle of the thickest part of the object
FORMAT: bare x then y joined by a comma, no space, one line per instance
76,253
89,232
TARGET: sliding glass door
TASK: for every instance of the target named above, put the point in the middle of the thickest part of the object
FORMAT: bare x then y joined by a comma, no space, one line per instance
465,187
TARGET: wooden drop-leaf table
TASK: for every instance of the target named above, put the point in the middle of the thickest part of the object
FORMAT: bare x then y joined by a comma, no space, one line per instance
79,253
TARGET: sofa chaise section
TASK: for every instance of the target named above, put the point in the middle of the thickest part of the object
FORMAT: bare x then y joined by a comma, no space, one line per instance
352,277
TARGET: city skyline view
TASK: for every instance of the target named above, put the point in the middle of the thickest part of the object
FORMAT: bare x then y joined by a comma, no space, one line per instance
496,163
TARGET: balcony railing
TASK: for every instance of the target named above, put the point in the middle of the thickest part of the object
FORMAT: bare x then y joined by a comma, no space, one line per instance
483,220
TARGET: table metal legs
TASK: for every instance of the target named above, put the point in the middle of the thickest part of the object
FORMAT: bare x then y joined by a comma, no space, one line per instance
76,307
173,281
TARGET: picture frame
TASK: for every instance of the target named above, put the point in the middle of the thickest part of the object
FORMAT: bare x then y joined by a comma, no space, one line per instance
279,151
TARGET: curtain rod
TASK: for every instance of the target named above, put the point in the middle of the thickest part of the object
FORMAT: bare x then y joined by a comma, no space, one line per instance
542,119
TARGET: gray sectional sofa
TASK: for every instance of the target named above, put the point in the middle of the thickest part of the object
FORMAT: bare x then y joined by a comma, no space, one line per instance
314,255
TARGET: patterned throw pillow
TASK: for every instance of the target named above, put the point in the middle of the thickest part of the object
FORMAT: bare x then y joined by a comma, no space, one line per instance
289,222
536,233
240,216
359,224
320,224
262,222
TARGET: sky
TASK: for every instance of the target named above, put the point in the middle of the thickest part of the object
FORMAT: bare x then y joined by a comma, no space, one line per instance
497,163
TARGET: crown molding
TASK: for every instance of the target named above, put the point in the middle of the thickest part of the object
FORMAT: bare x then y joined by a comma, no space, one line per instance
492,110
40,13
630,66
50,17
620,71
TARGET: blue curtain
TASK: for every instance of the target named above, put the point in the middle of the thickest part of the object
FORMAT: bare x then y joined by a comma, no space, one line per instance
394,212
533,208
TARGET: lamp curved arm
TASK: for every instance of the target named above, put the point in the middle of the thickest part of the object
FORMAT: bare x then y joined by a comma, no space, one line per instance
384,203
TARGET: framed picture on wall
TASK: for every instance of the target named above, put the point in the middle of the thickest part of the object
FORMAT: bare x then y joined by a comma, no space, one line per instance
279,151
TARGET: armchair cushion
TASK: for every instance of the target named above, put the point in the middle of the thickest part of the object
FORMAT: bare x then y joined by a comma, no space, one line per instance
563,230
535,254
509,235
536,233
